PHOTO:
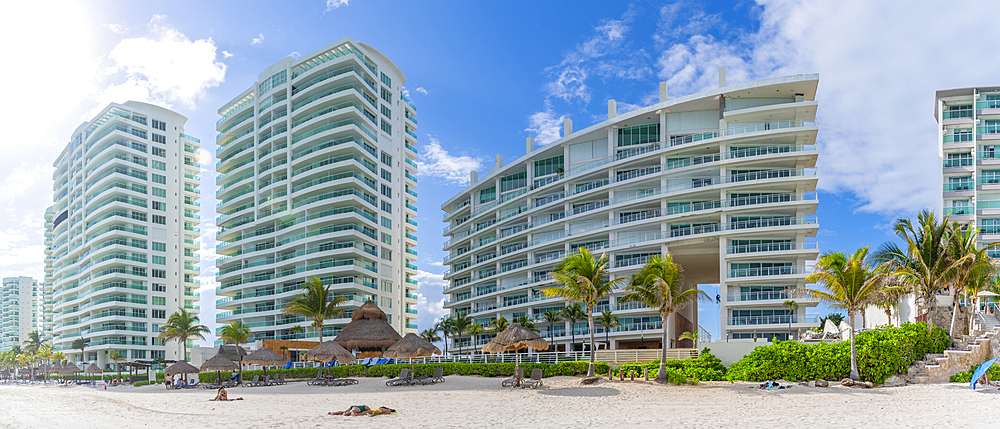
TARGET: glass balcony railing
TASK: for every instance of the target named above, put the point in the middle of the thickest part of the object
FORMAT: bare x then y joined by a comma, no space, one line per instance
959,162
959,186
955,114
958,138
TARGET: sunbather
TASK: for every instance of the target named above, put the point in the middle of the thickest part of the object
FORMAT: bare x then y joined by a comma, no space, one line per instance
363,410
224,396
380,411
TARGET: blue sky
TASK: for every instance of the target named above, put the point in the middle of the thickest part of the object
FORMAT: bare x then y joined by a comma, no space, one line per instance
485,75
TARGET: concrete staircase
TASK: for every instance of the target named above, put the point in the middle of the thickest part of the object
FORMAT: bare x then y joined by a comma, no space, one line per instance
966,351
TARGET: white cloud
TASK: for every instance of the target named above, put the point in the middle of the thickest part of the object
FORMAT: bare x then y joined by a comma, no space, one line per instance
421,90
430,310
295,54
257,40
333,4
435,161
546,125
117,28
226,54
164,68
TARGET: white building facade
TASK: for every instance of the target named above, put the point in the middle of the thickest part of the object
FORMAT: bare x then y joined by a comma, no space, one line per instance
122,234
316,165
20,310
723,180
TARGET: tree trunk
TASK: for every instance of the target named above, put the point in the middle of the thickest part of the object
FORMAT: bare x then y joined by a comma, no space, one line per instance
590,320
888,315
854,354
954,315
931,305
319,327
661,375
572,332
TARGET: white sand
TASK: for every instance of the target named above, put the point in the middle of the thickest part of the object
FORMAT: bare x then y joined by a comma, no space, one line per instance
481,402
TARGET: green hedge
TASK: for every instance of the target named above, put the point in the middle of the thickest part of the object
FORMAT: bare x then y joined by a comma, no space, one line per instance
880,353
392,371
964,377
706,367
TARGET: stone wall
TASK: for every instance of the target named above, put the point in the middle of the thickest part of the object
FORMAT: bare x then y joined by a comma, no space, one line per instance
956,361
942,319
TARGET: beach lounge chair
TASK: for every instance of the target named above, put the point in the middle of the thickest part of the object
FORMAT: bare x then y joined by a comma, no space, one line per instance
197,383
342,382
534,381
281,379
254,382
403,378
438,377
318,380
267,380
513,381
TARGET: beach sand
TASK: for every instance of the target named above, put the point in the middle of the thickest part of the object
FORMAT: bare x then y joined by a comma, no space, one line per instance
481,402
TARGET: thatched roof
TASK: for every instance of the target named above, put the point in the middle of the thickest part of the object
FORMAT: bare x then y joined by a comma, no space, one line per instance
411,346
181,367
219,363
369,329
328,351
93,369
264,357
231,352
516,337
70,369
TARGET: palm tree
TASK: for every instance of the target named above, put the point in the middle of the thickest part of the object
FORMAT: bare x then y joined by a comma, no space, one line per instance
585,280
33,343
445,326
80,343
977,266
284,352
182,326
474,330
526,322
852,282
316,303
660,285
236,333
609,321
460,324
430,335
693,336
791,306
925,264
45,353
296,330
499,324
552,317
117,356
572,314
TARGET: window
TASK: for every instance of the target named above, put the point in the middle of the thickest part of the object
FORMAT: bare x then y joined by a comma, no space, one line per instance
386,80
159,125
159,179
157,138
139,216
160,314
159,287
386,191
386,207
162,220
386,111
386,238
513,181
162,166
386,222
275,80
386,175
157,192
549,166
160,274
386,286
159,247
386,127
487,195
386,159
159,260
159,151
387,254
640,134
159,300
386,95
157,205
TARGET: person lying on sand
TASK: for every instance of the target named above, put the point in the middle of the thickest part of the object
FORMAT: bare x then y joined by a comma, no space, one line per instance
363,410
224,396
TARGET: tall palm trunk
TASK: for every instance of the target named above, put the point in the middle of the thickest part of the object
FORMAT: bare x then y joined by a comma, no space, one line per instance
590,320
854,355
954,315
319,327
888,315
572,331
661,374
931,306
551,338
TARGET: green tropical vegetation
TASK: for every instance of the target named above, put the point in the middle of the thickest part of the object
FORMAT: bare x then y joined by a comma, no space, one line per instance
181,327
317,303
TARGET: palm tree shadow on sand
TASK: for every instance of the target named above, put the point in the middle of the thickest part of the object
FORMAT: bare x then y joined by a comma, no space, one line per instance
592,392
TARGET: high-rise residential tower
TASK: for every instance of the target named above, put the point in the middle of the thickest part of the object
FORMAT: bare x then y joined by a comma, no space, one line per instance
122,233
20,310
722,179
316,178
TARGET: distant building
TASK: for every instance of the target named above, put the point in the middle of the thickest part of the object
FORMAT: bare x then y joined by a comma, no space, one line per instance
20,310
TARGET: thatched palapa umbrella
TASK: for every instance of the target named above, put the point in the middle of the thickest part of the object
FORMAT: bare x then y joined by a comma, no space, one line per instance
219,363
411,346
327,351
264,357
516,337
70,369
369,329
181,367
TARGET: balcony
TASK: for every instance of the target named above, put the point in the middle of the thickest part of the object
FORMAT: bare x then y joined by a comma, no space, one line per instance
772,320
782,270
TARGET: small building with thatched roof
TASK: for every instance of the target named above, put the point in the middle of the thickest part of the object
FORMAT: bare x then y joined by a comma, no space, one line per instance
369,332
232,352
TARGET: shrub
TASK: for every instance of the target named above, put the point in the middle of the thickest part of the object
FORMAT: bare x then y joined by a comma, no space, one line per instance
964,377
141,383
880,353
392,371
706,367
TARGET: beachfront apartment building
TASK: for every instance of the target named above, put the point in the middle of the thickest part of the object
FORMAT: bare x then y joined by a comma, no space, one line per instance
316,164
122,234
723,179
20,310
